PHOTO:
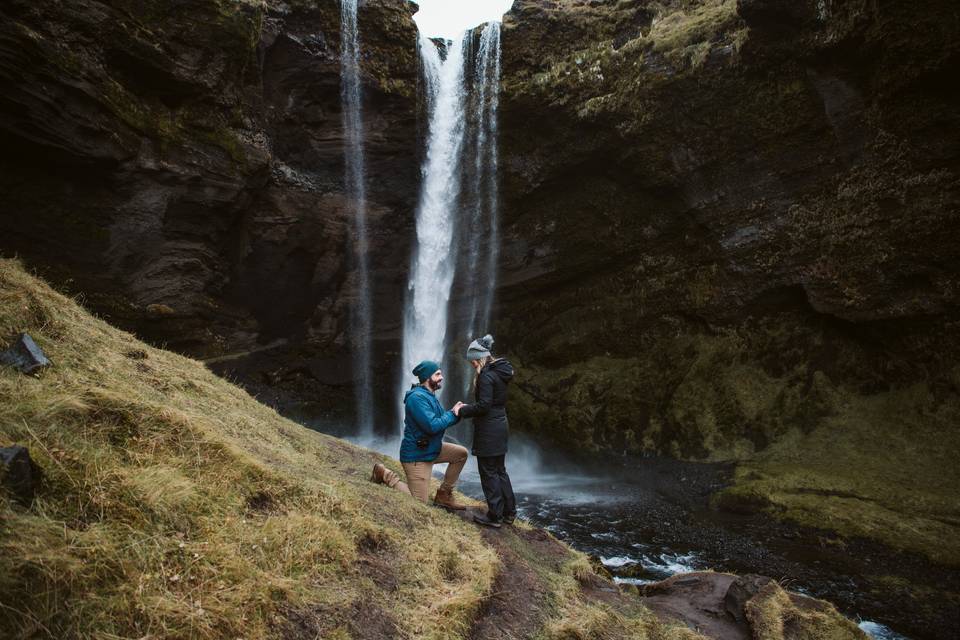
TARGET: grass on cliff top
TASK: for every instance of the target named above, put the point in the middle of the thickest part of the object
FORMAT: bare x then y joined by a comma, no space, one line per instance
174,505
681,33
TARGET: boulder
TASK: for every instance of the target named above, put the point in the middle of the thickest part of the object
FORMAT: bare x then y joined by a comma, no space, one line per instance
739,593
20,475
25,355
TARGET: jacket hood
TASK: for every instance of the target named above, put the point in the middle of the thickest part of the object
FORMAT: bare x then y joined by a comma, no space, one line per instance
412,389
501,368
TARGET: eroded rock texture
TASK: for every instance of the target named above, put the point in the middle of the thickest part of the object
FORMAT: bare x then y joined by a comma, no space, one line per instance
180,164
723,214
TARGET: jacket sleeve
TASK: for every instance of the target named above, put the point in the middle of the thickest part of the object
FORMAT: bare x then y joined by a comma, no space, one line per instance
427,418
484,399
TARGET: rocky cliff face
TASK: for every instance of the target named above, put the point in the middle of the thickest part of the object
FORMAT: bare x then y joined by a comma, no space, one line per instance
721,213
181,163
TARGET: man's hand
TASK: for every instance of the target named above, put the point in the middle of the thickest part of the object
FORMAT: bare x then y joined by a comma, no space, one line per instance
456,409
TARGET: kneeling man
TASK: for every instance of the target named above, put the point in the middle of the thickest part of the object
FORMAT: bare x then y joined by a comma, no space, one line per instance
422,446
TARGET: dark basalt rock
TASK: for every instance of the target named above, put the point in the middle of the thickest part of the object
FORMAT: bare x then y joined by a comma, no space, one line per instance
182,166
25,355
777,16
20,474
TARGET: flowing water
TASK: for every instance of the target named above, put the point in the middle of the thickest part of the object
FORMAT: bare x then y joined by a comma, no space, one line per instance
456,219
428,295
361,315
648,522
480,230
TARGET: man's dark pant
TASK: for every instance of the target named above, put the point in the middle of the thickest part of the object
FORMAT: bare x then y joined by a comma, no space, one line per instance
496,488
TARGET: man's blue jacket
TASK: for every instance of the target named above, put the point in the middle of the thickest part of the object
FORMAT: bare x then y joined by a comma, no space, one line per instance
423,416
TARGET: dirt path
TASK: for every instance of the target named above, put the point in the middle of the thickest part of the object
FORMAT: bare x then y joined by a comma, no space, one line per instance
518,604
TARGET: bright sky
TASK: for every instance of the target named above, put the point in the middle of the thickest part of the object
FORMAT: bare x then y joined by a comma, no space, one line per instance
449,18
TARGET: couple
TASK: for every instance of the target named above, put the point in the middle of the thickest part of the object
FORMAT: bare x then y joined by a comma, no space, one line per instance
425,422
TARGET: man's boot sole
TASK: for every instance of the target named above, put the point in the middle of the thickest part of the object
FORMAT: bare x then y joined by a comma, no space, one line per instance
448,507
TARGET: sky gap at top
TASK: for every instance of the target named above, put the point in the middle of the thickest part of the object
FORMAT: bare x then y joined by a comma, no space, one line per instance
448,19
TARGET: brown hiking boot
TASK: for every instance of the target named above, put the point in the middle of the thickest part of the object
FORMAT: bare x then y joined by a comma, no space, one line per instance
383,475
444,498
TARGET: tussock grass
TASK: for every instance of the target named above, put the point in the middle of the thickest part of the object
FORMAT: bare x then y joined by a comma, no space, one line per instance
776,615
594,621
176,506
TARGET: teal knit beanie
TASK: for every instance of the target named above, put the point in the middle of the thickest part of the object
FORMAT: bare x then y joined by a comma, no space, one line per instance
425,369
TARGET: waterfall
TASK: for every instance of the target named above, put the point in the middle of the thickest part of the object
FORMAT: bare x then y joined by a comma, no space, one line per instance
361,315
478,232
484,224
434,263
456,218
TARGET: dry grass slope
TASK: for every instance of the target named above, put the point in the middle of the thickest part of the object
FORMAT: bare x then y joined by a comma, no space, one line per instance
174,505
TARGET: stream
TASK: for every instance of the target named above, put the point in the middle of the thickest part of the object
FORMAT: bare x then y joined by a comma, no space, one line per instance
648,519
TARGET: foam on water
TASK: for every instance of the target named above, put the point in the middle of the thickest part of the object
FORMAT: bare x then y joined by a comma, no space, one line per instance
879,631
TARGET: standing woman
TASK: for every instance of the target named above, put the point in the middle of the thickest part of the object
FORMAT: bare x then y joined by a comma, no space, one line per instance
490,430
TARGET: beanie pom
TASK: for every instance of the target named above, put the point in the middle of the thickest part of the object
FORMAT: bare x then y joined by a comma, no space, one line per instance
486,341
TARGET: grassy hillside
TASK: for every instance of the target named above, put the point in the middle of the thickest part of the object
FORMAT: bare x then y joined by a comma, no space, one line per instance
176,506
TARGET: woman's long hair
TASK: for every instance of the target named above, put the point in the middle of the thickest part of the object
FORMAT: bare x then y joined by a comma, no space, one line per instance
484,361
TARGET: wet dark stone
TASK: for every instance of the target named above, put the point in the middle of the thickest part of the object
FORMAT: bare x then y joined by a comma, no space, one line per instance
25,355
739,593
21,475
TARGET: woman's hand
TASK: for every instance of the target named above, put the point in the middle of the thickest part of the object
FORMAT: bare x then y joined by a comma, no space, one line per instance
456,409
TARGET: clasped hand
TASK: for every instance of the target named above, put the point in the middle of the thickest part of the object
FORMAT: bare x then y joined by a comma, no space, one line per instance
456,408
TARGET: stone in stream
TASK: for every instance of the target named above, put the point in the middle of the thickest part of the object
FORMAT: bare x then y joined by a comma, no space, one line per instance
723,606
25,355
20,474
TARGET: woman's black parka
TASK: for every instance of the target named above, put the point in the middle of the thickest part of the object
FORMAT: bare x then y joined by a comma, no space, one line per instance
489,412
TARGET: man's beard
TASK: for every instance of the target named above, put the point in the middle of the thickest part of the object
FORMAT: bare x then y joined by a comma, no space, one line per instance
434,386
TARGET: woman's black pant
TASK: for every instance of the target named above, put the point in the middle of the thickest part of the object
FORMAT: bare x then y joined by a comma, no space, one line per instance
496,487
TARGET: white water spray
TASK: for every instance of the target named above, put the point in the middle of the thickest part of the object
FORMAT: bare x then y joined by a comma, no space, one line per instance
457,212
361,315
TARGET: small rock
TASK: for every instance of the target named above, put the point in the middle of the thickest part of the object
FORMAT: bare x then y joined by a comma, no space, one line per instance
160,310
21,475
25,355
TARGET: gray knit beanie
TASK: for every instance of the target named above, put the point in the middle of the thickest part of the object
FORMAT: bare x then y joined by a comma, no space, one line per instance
480,348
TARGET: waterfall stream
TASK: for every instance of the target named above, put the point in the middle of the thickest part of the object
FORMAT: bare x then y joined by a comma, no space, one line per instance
434,263
457,212
361,315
